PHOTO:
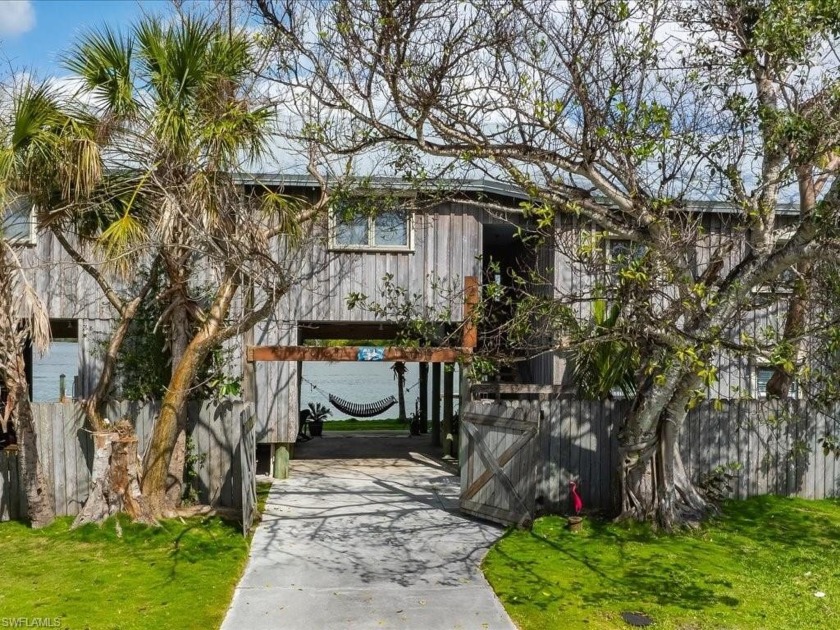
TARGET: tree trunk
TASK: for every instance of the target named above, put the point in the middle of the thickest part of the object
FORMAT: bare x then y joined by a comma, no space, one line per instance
38,491
157,480
654,484
401,398
796,318
107,496
794,333
94,405
116,474
179,336
115,481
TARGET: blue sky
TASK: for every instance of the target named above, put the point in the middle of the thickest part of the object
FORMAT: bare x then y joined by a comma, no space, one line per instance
34,33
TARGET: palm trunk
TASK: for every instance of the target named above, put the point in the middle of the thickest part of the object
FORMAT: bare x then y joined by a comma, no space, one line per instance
401,397
115,481
399,373
38,491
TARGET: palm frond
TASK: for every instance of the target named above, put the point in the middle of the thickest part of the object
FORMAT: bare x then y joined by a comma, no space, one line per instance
21,297
103,60
603,360
284,211
36,112
121,242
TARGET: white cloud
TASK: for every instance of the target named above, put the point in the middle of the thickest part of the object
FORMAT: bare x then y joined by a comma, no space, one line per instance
16,17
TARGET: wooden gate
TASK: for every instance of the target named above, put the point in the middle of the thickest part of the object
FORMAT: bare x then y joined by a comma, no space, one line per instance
248,468
498,462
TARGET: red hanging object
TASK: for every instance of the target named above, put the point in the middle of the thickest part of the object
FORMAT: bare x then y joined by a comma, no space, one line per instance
577,502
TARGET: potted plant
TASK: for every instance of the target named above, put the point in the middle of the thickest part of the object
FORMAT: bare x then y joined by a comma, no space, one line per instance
317,415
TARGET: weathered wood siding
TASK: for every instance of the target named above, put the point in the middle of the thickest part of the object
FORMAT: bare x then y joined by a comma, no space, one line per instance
65,447
776,443
575,278
67,292
447,246
447,243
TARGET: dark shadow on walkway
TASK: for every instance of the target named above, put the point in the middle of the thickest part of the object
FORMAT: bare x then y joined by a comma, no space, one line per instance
367,445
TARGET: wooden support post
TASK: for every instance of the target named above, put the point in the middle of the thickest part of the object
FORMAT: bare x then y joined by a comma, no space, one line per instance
464,399
448,409
62,388
436,404
282,455
424,398
470,332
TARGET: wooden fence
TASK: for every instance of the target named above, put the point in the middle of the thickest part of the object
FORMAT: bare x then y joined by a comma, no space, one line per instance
775,443
65,447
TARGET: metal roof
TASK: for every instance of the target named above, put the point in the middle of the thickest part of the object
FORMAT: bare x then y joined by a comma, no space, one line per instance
485,186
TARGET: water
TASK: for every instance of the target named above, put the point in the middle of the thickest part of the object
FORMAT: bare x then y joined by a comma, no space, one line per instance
62,358
358,382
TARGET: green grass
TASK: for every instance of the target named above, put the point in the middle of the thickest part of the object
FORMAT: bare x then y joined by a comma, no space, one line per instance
180,575
756,566
389,424
263,488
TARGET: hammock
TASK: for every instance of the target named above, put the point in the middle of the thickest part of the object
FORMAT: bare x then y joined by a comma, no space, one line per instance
366,410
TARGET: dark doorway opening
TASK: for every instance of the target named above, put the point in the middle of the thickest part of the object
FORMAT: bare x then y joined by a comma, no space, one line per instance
506,262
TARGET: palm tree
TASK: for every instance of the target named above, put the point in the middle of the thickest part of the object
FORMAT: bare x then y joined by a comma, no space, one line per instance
23,319
178,92
52,153
143,159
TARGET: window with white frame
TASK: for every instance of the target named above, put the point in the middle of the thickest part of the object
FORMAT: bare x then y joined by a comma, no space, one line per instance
16,220
366,226
761,376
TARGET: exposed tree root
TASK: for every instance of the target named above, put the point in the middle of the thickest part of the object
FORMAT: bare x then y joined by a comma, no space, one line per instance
655,488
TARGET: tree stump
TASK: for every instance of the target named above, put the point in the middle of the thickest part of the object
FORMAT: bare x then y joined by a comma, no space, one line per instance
115,481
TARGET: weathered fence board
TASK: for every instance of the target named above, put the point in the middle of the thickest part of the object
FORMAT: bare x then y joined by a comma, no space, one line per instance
65,447
775,443
10,490
247,480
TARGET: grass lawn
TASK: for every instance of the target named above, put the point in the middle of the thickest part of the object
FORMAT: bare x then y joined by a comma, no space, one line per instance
758,565
263,488
180,575
389,424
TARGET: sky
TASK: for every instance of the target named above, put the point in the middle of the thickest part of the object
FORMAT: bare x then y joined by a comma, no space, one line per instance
34,33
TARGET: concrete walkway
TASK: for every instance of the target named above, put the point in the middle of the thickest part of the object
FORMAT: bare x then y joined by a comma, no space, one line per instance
366,543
